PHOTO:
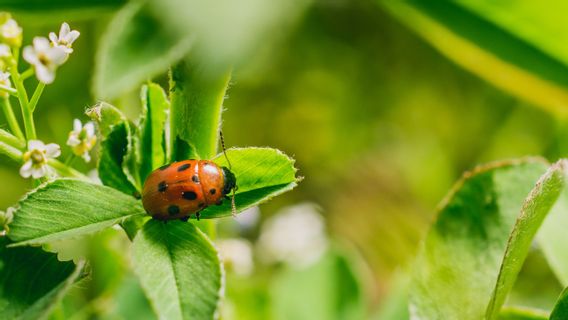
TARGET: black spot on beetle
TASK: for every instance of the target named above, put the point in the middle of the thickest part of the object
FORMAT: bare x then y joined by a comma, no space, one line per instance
173,209
212,191
189,195
195,179
164,167
162,186
184,167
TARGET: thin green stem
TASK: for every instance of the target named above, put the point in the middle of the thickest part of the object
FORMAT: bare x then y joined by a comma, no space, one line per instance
69,160
65,171
35,97
26,74
11,140
11,118
11,91
27,114
10,151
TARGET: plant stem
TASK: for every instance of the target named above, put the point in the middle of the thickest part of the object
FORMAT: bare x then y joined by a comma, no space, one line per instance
11,118
11,140
66,171
26,74
27,114
35,97
10,151
11,91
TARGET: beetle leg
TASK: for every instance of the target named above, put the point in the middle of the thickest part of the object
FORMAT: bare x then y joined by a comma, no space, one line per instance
197,215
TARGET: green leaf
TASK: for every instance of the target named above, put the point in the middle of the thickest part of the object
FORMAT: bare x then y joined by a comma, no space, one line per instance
57,5
32,281
112,163
457,268
106,116
68,208
197,102
179,270
536,207
516,313
155,106
136,47
499,41
328,289
560,311
261,173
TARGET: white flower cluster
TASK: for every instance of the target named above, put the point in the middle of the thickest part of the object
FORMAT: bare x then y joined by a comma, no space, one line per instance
82,139
46,57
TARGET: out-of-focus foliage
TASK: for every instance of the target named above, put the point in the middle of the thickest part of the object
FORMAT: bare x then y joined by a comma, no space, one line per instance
380,123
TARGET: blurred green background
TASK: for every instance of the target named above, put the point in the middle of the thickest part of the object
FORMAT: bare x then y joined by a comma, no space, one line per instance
381,120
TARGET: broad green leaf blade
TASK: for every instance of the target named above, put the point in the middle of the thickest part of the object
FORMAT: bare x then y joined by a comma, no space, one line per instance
197,102
136,47
457,268
328,289
494,44
517,313
261,173
155,106
179,270
32,281
68,208
112,162
560,311
536,207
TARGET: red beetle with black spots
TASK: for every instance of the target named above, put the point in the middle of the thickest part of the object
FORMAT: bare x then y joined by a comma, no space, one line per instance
184,188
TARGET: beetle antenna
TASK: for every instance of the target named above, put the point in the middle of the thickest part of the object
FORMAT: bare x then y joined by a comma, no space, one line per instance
223,147
233,206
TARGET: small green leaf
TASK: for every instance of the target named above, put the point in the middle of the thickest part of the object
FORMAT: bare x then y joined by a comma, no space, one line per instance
536,207
68,208
179,270
111,166
106,116
457,268
560,311
522,313
136,47
32,281
328,289
261,173
197,102
155,106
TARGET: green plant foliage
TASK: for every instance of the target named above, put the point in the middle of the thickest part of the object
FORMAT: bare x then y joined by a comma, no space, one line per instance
41,6
111,165
197,100
68,208
155,106
262,173
457,268
179,270
328,289
135,47
511,313
498,42
32,281
560,310
536,207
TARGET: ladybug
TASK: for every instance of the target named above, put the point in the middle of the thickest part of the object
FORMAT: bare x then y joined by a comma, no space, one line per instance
183,188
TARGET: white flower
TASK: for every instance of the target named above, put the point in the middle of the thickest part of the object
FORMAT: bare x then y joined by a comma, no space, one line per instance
82,139
65,39
296,236
237,255
5,219
11,32
5,51
35,159
44,58
5,82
